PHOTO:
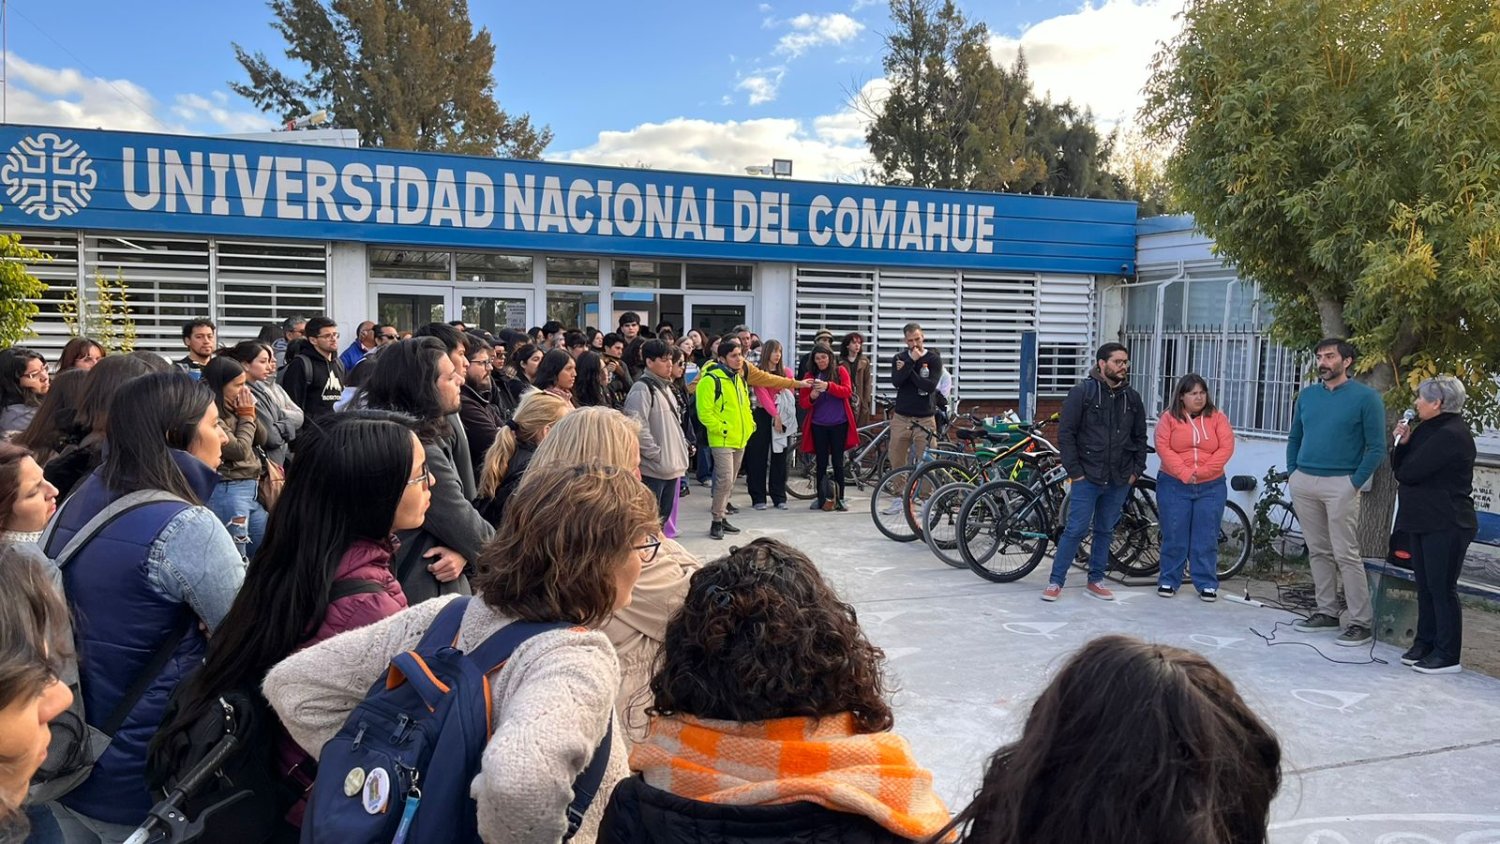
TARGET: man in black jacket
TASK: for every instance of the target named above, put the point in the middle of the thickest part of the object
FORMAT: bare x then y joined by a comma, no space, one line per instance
914,373
482,411
1102,437
314,378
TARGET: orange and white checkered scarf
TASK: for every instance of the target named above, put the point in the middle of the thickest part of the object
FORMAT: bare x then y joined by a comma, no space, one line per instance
824,761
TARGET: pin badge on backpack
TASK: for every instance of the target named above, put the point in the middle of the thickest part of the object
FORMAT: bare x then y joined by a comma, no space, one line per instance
354,781
377,791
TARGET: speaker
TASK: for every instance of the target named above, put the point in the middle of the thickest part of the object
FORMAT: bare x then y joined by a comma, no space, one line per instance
1242,483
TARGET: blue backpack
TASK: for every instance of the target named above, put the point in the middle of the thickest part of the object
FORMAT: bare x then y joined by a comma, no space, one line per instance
400,768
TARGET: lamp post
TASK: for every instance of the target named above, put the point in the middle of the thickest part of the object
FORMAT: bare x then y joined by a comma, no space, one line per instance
779,168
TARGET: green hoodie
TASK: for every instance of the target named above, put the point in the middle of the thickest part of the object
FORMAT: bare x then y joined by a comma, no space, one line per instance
724,407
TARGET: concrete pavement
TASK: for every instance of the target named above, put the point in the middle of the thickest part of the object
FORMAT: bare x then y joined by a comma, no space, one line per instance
1372,752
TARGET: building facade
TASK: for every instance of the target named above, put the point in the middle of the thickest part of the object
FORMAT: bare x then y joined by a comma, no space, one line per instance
248,232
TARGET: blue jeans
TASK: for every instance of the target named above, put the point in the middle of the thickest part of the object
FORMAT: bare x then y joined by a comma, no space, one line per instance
1089,504
235,505
1190,519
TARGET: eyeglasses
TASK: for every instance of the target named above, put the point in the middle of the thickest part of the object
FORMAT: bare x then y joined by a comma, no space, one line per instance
425,479
648,550
40,375
481,362
387,337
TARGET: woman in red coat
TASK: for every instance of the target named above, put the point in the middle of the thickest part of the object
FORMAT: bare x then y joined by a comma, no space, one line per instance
830,428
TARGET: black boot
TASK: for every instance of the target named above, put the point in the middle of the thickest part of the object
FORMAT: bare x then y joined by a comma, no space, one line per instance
716,530
727,527
730,509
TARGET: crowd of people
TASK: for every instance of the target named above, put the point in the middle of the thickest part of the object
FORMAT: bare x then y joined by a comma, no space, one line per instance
329,554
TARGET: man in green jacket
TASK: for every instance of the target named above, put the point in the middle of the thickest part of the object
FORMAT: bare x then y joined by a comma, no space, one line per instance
723,398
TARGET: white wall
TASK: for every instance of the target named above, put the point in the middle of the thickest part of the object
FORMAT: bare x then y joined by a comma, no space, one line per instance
771,309
348,289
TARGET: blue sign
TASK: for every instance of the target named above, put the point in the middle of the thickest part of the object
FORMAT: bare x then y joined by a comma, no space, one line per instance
1027,399
116,181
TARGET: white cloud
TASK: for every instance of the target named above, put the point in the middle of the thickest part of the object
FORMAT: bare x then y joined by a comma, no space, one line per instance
762,85
810,31
67,97
860,4
833,149
1099,56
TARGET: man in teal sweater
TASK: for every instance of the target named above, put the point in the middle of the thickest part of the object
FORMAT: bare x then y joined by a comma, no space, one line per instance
1336,444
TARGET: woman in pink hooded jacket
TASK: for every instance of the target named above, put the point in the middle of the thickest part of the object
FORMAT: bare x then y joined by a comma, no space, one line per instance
1194,441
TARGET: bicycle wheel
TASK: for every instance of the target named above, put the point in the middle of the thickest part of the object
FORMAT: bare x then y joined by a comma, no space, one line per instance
887,505
925,481
799,471
1234,541
1002,531
940,522
1135,549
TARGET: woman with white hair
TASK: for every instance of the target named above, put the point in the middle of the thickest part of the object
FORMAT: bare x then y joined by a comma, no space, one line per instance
1434,466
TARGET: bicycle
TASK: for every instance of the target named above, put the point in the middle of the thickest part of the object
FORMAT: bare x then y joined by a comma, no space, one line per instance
863,464
1016,523
982,465
888,500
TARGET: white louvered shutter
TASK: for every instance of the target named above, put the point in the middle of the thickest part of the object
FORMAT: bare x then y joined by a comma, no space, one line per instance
61,276
927,298
995,309
1065,319
839,299
263,283
166,280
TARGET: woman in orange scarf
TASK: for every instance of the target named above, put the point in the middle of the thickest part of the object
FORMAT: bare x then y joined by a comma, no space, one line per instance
770,720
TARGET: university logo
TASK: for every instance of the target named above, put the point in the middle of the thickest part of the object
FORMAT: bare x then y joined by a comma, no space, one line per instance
48,176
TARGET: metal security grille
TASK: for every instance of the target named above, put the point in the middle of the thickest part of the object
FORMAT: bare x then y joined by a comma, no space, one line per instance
994,311
929,299
263,283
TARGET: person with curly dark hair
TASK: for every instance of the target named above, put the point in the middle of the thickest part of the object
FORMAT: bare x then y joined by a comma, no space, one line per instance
770,720
1203,766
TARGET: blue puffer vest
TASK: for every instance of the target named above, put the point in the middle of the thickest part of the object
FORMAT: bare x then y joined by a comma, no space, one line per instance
119,621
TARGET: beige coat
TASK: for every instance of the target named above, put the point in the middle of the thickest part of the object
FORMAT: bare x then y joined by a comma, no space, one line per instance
638,630
553,700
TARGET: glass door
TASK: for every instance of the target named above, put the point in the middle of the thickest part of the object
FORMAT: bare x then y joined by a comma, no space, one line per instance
408,307
493,309
715,314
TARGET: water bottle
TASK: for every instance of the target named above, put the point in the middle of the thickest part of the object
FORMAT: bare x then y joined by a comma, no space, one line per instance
926,372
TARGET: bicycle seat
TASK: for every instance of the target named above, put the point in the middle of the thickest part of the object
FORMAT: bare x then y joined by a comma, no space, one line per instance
970,433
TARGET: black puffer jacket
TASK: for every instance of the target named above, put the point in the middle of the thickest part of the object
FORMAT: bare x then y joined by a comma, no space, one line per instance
1102,434
640,814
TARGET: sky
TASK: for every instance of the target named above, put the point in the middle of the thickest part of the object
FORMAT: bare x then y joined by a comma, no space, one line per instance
701,86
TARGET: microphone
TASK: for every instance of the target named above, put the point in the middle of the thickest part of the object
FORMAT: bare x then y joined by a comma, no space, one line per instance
1405,420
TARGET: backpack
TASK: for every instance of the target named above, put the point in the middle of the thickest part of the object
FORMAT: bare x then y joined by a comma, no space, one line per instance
247,796
399,769
76,745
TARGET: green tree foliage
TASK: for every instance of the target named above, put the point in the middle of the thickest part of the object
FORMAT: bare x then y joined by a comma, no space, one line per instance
955,119
1346,154
407,74
18,287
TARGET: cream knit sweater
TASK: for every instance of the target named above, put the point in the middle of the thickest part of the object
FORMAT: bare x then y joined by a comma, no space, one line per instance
553,700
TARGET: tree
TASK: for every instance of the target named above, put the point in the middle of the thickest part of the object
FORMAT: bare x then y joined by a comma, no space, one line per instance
1075,158
407,74
1141,164
1346,155
18,288
952,119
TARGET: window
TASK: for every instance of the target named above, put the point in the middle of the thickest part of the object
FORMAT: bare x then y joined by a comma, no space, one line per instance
493,267
995,310
411,264
578,272
720,277
649,274
1213,324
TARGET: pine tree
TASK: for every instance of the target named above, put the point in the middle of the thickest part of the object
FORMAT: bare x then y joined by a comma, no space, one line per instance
407,74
